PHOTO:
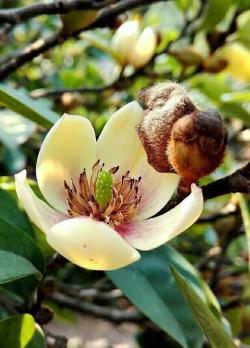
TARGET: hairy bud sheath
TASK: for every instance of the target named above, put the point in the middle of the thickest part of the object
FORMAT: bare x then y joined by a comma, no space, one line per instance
177,136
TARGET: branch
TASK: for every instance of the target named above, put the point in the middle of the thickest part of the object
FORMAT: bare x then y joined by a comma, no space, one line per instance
28,53
95,293
216,217
42,45
18,15
126,81
113,314
239,181
55,341
236,302
41,93
120,83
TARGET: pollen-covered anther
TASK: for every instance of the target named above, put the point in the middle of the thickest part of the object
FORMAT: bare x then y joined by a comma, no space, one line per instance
83,199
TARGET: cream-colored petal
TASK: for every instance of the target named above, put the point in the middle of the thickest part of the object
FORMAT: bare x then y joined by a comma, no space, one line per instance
125,39
144,48
68,148
149,234
119,143
38,211
155,189
91,244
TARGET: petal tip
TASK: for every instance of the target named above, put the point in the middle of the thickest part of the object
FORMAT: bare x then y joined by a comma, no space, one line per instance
136,256
21,175
134,105
195,188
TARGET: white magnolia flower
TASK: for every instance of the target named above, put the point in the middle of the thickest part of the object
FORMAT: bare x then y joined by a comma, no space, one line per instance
133,46
103,193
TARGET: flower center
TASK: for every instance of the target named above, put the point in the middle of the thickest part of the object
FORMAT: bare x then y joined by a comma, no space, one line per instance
103,199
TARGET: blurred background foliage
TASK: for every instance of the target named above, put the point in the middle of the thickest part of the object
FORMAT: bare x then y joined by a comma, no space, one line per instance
206,46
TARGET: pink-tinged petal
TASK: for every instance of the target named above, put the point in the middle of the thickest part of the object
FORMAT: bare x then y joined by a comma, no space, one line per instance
91,244
144,48
38,211
119,143
68,148
149,234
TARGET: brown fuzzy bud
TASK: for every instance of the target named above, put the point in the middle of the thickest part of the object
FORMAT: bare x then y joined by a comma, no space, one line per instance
177,136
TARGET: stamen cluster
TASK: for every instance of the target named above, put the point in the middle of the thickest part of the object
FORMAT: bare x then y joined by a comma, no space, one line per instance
122,206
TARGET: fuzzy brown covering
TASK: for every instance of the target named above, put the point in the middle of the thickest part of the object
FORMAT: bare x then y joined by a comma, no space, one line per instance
177,136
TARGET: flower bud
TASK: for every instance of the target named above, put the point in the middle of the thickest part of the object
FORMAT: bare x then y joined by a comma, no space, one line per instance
132,47
187,56
44,315
144,48
214,64
78,20
197,144
177,136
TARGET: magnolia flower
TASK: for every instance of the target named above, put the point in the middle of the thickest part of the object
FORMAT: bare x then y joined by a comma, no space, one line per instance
103,193
132,46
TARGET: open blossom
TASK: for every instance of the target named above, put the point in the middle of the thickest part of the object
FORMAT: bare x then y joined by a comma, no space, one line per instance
133,46
103,193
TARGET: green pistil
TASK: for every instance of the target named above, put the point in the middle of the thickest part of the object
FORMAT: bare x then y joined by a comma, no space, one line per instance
103,190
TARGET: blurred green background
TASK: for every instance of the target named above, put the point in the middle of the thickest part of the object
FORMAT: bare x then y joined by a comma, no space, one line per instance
205,45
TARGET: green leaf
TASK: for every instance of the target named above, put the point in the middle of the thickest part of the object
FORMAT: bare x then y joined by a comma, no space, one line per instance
150,285
10,212
236,97
16,237
33,110
242,34
245,212
214,87
38,339
236,111
21,331
211,326
14,267
216,11
20,243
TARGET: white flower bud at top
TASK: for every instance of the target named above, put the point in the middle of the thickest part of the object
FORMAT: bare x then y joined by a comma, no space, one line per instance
131,46
144,48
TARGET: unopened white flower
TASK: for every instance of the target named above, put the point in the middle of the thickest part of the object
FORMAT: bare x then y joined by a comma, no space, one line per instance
103,193
132,46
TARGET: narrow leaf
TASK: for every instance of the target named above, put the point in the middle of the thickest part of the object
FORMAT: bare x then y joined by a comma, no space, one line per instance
216,11
211,326
150,285
21,103
9,210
